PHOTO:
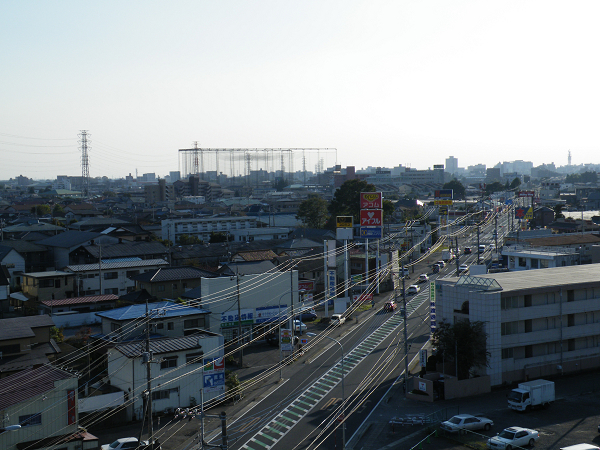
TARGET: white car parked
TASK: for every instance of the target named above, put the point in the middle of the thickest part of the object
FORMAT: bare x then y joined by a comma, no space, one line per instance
124,444
513,437
413,289
464,422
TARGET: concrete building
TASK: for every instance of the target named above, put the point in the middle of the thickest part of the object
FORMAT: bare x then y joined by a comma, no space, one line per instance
539,323
171,229
260,234
44,402
49,285
160,192
184,367
520,257
111,277
452,165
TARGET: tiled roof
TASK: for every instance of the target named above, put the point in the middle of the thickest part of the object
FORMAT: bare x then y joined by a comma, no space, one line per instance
564,239
70,238
257,255
173,273
247,267
21,327
127,248
157,346
80,300
132,312
24,385
117,265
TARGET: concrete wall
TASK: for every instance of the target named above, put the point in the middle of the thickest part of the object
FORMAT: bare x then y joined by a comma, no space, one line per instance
75,320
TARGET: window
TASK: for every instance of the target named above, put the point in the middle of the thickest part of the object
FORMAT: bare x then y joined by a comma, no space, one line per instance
191,323
170,326
46,283
114,291
160,326
131,273
174,286
168,362
194,358
30,419
507,353
507,328
161,395
111,275
529,351
57,283
115,326
161,288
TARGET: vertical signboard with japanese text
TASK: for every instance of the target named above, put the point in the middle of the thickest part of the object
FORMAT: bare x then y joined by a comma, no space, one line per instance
433,323
371,215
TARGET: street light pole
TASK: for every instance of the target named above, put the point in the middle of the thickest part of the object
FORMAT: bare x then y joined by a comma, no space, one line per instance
343,396
279,326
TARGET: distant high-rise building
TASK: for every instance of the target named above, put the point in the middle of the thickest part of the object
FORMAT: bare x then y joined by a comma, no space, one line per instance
451,165
174,176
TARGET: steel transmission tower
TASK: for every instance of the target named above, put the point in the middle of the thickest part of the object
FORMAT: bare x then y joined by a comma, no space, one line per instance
85,163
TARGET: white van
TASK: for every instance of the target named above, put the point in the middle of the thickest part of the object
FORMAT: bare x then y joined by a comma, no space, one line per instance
337,319
482,248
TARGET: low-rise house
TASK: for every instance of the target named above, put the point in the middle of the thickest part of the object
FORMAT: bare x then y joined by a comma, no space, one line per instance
111,277
169,319
36,256
40,286
62,245
44,402
118,249
181,368
77,311
25,342
520,257
12,261
171,282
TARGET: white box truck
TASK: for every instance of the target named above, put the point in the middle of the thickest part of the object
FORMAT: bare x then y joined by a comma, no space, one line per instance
447,255
531,394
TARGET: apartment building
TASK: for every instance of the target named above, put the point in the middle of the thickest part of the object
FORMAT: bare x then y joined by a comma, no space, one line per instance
539,323
203,227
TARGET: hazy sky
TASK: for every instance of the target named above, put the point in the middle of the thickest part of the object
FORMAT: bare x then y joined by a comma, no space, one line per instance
384,82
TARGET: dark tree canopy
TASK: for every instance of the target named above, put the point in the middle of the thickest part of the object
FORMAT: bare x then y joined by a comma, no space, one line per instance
457,187
220,236
464,340
496,186
313,212
515,183
187,239
558,214
346,200
584,177
41,210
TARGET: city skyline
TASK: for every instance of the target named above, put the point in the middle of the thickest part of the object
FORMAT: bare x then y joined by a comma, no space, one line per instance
384,83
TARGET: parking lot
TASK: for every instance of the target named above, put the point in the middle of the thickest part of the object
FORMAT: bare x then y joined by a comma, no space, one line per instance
572,419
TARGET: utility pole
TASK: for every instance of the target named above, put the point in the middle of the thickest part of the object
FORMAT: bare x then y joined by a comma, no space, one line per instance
457,258
405,334
496,231
478,252
240,345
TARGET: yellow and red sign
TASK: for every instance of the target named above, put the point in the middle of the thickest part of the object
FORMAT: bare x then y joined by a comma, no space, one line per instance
371,200
371,217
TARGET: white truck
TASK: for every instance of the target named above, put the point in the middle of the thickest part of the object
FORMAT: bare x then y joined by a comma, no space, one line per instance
447,255
531,394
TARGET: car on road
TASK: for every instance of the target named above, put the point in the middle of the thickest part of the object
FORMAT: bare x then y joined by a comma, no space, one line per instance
423,278
129,443
468,250
307,315
435,268
413,289
389,306
338,319
513,437
482,248
441,264
466,422
463,268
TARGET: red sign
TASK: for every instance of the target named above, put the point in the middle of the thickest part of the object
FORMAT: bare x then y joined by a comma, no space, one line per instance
371,200
306,285
71,412
371,217
526,193
520,213
219,363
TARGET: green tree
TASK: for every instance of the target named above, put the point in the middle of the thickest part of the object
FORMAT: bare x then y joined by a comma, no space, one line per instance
40,210
313,212
220,236
558,214
584,177
457,187
346,200
494,187
388,210
280,184
57,334
515,183
109,194
187,239
463,345
58,210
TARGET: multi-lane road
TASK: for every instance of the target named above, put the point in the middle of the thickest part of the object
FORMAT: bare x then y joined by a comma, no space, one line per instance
306,411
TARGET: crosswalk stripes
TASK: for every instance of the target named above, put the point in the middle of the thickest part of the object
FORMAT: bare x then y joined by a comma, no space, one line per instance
270,434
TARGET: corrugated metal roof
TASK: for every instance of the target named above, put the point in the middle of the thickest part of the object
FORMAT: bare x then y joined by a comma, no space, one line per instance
127,248
70,238
171,309
163,345
117,265
80,300
28,384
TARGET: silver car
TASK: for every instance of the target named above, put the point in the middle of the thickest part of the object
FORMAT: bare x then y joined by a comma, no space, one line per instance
466,422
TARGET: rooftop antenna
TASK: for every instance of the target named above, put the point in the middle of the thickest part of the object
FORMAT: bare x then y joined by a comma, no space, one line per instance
85,163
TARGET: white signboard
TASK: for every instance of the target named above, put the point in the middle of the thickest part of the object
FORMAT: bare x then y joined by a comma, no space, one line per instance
423,357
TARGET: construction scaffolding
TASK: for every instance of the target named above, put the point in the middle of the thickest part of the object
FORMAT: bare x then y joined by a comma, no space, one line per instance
251,166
